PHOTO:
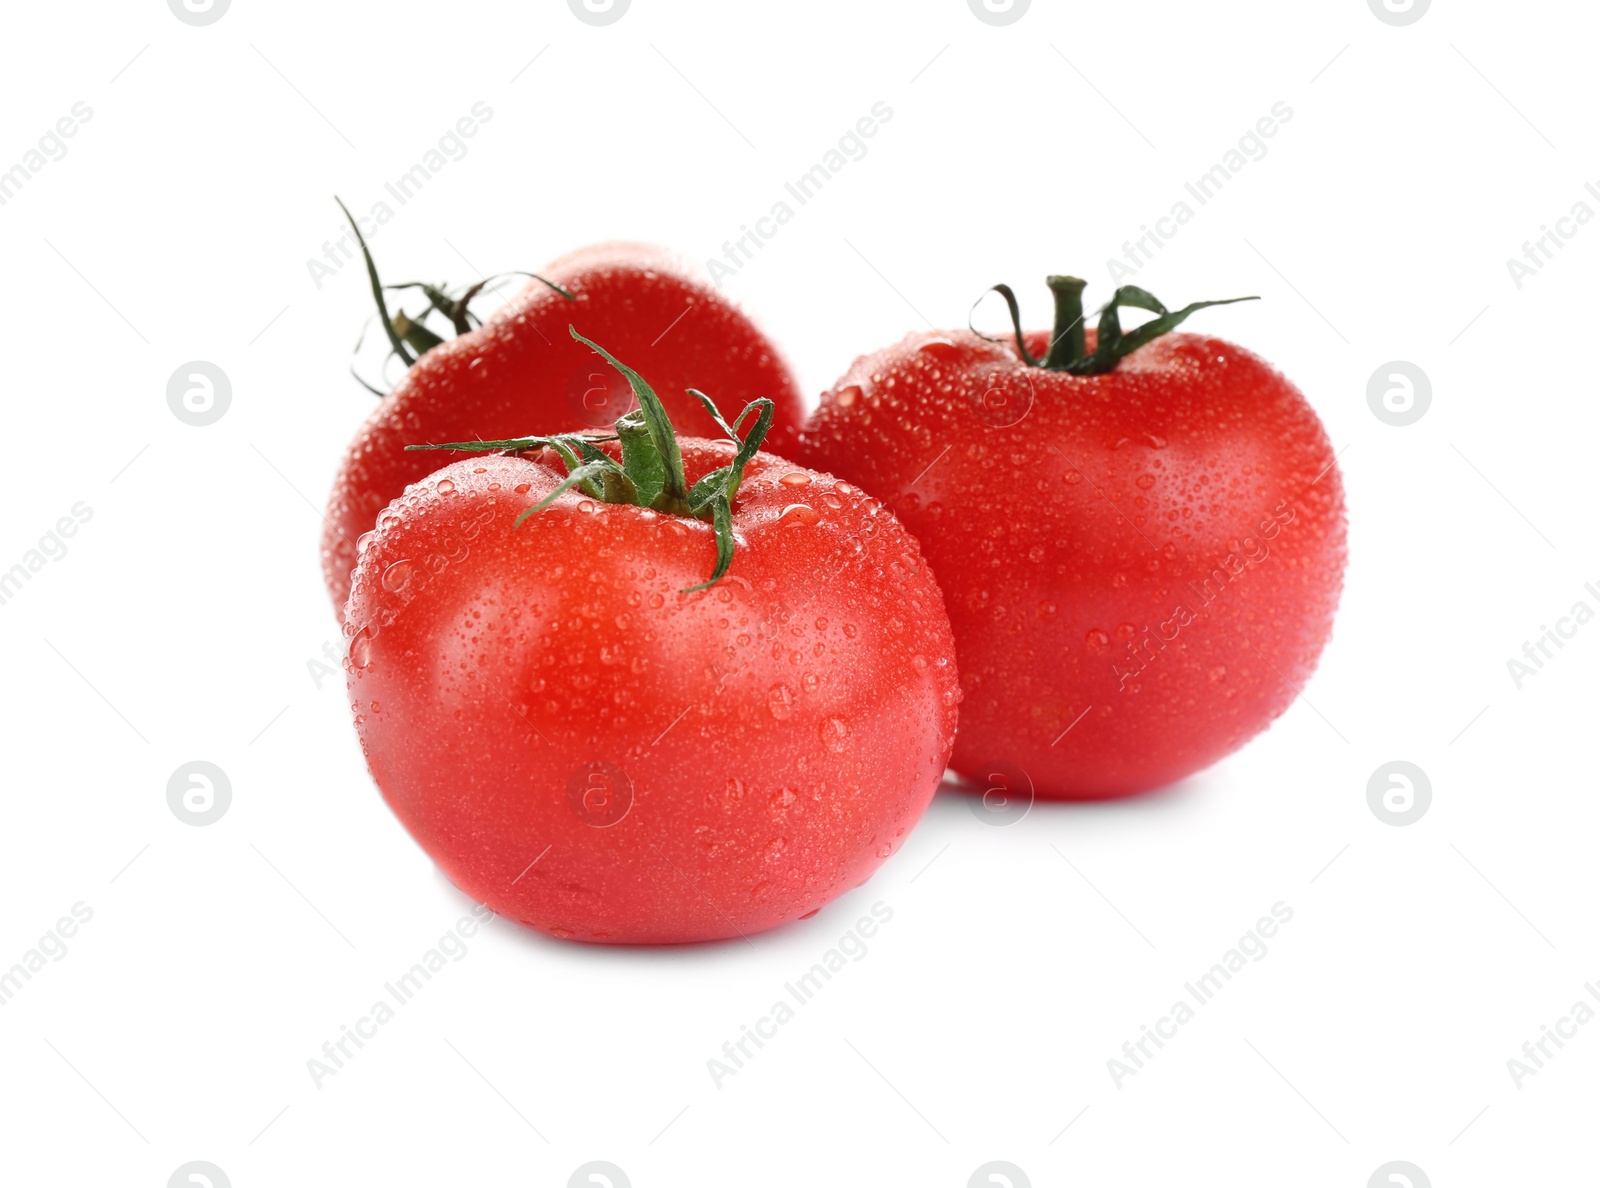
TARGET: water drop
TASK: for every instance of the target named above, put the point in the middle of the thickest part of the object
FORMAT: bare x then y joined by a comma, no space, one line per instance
361,648
397,575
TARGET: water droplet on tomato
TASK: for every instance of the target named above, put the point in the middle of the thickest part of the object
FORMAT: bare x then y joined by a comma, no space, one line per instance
835,734
397,575
444,486
361,648
780,701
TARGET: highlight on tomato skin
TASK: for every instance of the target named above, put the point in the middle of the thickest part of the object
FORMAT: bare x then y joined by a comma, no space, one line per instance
520,372
1141,557
590,739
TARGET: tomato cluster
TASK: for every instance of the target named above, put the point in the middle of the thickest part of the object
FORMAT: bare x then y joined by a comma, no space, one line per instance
631,687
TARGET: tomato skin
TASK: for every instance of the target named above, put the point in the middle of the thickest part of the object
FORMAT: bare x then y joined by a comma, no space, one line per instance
780,731
521,373
1069,518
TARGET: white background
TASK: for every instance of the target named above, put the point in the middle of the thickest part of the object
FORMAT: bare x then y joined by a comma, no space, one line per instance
180,624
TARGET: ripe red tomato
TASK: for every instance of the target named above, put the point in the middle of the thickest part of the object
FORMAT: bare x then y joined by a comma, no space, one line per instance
588,748
521,372
1141,561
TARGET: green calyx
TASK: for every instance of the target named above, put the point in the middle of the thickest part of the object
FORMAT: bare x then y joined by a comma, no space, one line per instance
651,471
411,338
1069,350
